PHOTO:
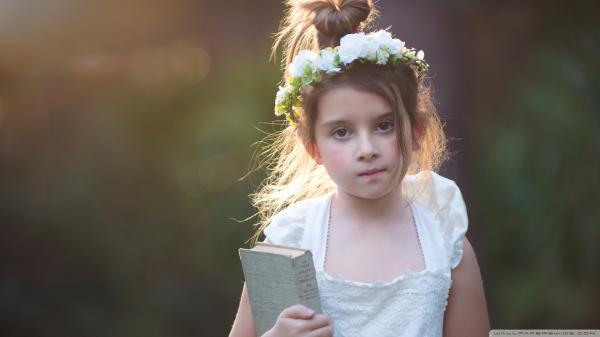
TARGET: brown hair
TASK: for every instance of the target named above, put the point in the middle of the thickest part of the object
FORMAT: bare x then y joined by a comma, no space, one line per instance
292,175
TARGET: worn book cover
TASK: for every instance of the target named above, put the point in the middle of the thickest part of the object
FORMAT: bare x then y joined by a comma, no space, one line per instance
278,277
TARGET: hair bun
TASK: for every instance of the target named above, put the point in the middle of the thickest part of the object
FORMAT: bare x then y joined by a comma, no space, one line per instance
335,18
318,24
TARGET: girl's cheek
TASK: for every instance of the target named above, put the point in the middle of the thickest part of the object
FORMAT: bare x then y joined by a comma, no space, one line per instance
392,144
336,156
339,157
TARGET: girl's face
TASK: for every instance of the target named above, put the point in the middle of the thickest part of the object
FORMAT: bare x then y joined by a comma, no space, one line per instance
356,142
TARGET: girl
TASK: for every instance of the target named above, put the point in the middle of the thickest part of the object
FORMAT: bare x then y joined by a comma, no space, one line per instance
352,179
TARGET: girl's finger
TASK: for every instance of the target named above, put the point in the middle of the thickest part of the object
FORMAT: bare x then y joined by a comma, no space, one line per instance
297,311
326,331
319,321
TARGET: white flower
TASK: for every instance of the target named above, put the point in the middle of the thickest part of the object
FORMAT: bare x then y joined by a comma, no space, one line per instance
382,57
301,61
281,95
398,48
421,55
352,46
327,61
384,38
371,48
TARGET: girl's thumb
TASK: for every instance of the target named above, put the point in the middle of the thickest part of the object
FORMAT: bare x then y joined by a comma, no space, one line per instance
307,312
298,311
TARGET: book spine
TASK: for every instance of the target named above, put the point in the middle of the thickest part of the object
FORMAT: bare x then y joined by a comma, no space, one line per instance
308,290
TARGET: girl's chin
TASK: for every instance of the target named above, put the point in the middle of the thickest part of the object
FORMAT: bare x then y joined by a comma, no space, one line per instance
368,194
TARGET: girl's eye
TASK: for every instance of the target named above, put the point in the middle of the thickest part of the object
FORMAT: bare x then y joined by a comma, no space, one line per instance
385,126
340,133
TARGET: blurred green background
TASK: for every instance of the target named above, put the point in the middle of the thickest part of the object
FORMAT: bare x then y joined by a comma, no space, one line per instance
125,127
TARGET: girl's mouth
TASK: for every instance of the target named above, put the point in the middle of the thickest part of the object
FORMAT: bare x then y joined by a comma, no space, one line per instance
371,172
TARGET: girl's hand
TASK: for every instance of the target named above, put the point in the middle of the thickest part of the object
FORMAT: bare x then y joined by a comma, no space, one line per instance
298,320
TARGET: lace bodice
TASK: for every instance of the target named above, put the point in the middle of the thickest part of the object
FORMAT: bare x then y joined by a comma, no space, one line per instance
413,303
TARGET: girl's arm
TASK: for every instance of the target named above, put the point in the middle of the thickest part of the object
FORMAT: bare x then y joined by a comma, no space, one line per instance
243,326
466,314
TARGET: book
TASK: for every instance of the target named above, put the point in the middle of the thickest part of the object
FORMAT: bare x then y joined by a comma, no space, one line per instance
278,277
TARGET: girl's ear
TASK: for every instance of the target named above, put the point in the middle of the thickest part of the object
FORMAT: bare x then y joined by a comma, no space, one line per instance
311,148
314,152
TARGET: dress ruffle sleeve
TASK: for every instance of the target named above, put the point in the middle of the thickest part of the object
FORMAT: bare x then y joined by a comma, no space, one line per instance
287,226
444,199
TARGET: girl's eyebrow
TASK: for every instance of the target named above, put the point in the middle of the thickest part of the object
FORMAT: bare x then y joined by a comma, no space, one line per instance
342,121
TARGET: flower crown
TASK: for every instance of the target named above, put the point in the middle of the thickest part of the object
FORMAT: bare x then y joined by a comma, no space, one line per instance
308,67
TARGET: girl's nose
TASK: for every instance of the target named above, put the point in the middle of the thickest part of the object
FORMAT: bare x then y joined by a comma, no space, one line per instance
366,148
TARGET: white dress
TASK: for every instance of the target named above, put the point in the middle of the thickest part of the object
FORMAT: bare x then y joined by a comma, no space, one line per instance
413,303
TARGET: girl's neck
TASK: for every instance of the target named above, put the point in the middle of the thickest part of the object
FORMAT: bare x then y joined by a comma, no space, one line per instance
363,212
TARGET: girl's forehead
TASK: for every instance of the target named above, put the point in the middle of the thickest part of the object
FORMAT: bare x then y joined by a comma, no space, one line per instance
346,103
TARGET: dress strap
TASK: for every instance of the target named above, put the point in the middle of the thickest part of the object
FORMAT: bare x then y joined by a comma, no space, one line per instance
317,230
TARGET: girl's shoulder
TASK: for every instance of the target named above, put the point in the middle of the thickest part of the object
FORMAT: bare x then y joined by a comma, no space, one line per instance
443,200
287,226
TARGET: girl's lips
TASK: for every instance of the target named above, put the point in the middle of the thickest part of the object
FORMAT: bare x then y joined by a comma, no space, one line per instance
371,172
